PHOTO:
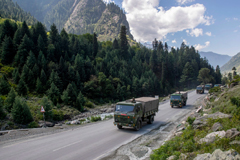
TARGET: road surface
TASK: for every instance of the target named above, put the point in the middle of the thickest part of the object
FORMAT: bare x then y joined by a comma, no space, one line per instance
89,142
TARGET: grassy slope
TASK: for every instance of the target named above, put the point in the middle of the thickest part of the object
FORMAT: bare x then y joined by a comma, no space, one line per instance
187,142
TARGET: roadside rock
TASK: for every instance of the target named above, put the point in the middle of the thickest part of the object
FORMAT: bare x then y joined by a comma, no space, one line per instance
219,155
178,133
202,121
217,127
182,156
235,142
210,138
231,133
171,157
48,124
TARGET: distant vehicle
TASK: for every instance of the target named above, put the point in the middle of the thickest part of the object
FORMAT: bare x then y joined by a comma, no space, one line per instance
178,99
208,86
133,112
217,85
200,89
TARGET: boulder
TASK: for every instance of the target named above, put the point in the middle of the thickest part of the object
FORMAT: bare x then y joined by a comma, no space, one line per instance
217,127
182,156
50,124
211,137
232,133
172,157
75,122
235,142
219,155
178,133
202,121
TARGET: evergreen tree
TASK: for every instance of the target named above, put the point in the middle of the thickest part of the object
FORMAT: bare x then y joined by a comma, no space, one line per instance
17,37
25,29
53,93
47,107
43,78
22,88
115,44
204,76
95,45
16,77
31,60
41,46
39,87
65,97
54,35
10,100
64,41
187,75
8,51
7,30
20,112
4,85
80,102
2,113
218,77
123,42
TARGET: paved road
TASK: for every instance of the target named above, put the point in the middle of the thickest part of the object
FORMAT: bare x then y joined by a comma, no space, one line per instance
89,142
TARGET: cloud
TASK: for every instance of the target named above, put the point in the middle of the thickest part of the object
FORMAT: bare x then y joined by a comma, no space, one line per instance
174,41
185,41
195,32
209,33
235,31
108,1
199,47
184,1
235,19
148,22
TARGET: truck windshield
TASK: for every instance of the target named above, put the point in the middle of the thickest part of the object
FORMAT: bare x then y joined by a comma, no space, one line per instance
124,108
207,85
199,88
175,97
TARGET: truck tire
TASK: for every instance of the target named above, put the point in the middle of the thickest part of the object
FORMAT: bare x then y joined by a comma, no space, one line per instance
138,126
151,119
119,126
172,106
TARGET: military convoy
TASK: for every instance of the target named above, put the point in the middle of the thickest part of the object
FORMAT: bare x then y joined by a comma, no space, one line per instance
208,86
133,112
178,99
200,89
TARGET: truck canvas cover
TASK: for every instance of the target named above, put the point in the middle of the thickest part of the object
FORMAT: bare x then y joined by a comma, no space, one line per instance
149,103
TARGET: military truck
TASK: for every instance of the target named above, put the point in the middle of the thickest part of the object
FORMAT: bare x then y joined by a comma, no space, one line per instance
200,89
178,99
208,86
133,112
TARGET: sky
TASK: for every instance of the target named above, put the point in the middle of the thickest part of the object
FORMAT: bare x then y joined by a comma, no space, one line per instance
208,25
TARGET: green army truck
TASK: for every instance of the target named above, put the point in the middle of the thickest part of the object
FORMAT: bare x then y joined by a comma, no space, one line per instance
178,99
133,112
200,89
208,86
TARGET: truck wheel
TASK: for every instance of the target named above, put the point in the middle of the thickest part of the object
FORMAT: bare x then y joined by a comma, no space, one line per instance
150,120
119,126
138,125
172,106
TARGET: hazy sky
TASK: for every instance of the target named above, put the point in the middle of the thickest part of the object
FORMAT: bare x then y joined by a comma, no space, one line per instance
208,25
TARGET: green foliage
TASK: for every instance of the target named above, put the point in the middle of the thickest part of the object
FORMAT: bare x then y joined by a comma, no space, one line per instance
33,124
215,89
89,104
10,100
57,115
4,85
47,107
2,113
190,120
95,118
7,70
235,101
20,112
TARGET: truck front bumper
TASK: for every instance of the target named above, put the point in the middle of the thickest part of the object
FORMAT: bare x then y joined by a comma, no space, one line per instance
124,124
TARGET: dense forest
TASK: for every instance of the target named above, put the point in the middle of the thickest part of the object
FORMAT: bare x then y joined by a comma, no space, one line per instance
11,10
73,69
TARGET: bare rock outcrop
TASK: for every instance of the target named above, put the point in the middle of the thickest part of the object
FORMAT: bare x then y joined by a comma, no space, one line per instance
219,155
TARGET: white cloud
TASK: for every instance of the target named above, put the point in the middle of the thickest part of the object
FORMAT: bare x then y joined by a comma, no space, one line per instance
108,1
199,47
184,1
235,31
148,22
185,41
235,19
195,32
174,41
209,33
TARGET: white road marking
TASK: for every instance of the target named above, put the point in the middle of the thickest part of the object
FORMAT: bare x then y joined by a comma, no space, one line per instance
67,145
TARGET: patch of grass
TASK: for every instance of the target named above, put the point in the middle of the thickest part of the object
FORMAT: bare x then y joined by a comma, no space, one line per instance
33,125
95,118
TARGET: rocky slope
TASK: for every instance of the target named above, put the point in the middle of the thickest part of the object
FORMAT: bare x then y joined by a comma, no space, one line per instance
80,16
233,62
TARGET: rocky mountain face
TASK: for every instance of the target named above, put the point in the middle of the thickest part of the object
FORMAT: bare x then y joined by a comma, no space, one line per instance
215,59
233,62
79,16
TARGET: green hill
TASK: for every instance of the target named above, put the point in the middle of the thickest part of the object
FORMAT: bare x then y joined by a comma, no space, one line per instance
8,9
233,62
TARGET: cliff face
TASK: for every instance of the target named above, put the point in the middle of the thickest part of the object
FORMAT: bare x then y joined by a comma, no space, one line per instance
80,16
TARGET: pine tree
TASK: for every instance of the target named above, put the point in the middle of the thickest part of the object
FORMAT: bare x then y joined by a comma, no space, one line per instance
22,88
65,97
39,87
2,113
43,78
47,107
4,85
31,81
80,102
6,30
17,37
123,42
41,46
64,41
25,29
53,93
115,44
10,100
16,77
54,35
20,112
95,45
218,77
31,60
8,51
24,75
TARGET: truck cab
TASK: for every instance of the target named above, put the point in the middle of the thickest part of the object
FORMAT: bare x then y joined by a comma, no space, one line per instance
178,99
200,89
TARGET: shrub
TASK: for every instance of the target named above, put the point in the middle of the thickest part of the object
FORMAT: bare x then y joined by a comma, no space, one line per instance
235,101
33,124
214,89
57,115
95,119
190,120
89,104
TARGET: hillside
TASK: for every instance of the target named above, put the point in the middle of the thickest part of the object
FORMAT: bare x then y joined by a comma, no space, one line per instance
10,10
79,16
233,62
215,59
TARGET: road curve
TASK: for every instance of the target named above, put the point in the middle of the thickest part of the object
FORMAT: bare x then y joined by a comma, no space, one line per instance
90,142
